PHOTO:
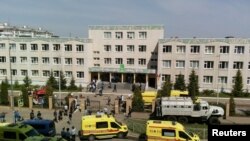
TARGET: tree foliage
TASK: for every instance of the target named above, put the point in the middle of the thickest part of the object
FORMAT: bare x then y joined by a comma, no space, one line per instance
63,81
25,90
27,81
193,85
137,101
52,81
72,85
237,90
180,83
4,93
166,89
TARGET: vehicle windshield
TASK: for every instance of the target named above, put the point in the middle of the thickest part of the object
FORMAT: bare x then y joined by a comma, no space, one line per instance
191,133
32,132
118,122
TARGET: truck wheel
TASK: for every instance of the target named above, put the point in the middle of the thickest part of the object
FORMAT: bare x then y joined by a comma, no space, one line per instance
91,138
171,118
213,120
183,120
120,135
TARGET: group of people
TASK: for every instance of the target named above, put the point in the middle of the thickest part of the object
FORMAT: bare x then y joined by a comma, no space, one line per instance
69,135
38,115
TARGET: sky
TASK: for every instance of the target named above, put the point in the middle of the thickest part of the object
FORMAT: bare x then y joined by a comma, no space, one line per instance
181,18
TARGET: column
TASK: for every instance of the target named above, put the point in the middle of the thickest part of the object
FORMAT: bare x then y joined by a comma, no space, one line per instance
82,103
153,106
30,102
122,77
50,102
134,78
146,85
98,76
110,77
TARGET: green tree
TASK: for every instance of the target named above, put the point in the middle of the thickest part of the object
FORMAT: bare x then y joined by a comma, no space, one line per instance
25,96
63,81
27,81
137,101
72,85
16,85
166,89
52,81
237,90
180,83
4,93
193,86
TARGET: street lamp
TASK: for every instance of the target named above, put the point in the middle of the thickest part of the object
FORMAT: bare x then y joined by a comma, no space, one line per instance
10,67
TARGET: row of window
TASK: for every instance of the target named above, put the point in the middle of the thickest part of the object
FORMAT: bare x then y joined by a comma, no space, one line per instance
45,73
208,49
127,35
130,48
44,47
45,60
130,61
207,79
207,64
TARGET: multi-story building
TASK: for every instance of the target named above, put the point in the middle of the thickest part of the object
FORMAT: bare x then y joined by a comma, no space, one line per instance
126,53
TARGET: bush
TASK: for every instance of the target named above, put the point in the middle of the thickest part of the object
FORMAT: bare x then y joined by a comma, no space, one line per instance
208,92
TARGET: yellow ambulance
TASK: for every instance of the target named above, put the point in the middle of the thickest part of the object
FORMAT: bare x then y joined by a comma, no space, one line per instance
100,127
168,130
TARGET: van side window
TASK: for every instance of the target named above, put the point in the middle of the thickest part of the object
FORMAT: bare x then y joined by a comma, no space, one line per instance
38,126
197,107
9,135
101,124
184,135
168,133
114,125
22,137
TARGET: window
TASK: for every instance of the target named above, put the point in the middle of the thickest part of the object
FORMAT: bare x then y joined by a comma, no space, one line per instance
34,73
118,61
180,64
34,47
142,35
12,46
167,49
181,49
45,47
2,46
118,48
45,60
107,61
166,63
209,64
224,49
239,49
208,79
130,48
183,135
79,48
168,133
2,59
130,61
68,61
56,47
24,72
13,59
142,61
107,35
68,47
80,61
114,125
179,76
222,80
101,125
22,137
56,73
3,72
23,47
194,64
80,74
142,48
46,73
130,35
68,74
248,65
107,48
14,72
248,80
195,49
34,60
57,60
24,60
118,35
96,58
223,65
9,135
166,77
238,65
209,49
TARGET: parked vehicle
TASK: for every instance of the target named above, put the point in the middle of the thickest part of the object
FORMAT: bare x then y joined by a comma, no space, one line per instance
183,109
100,127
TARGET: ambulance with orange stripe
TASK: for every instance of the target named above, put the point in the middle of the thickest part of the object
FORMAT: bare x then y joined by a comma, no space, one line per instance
101,126
168,131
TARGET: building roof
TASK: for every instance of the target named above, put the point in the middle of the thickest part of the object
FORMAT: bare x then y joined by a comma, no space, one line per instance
126,27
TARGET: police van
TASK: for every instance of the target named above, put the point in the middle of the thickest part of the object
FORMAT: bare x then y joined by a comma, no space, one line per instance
168,130
100,127
16,132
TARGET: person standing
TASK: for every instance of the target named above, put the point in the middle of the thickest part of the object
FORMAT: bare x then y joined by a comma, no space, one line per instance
32,115
55,116
109,100
73,133
114,90
39,115
63,133
67,135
